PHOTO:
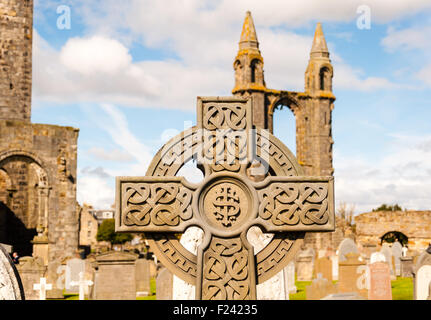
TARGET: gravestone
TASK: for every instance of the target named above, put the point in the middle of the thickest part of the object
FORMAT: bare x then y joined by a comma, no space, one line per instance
304,265
334,260
83,285
406,267
320,288
74,267
346,246
422,275
31,269
323,266
164,285
228,201
115,276
10,282
344,296
397,253
387,252
377,257
289,278
42,287
353,275
380,282
142,276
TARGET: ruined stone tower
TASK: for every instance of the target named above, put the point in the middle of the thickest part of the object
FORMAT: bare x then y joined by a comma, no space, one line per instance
312,108
16,20
37,161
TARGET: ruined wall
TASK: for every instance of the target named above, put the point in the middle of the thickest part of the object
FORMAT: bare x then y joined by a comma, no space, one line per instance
416,225
16,26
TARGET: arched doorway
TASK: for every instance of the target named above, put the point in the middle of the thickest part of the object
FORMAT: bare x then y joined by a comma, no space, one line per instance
393,236
24,193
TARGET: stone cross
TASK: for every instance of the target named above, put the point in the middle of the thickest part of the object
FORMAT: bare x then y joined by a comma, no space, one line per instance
42,287
250,179
83,284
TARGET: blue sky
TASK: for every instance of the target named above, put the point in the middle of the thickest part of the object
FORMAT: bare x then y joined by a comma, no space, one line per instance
127,74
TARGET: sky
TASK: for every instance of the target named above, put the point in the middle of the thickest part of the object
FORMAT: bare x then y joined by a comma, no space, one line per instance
127,74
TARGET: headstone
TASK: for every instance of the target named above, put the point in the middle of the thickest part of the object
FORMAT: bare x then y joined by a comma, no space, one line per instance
74,267
142,277
31,269
164,285
422,275
289,278
377,257
406,267
304,265
334,260
346,246
380,282
115,276
83,285
397,253
320,288
42,287
323,266
387,252
353,275
10,283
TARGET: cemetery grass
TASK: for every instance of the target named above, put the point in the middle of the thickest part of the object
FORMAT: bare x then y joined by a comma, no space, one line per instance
152,295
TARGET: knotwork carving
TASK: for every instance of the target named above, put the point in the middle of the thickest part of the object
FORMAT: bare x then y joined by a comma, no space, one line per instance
222,116
295,203
225,274
160,204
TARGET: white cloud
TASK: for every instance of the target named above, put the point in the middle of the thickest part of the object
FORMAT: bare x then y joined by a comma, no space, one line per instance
116,155
407,39
94,188
402,176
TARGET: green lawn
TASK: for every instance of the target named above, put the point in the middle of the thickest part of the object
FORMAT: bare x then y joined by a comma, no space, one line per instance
402,289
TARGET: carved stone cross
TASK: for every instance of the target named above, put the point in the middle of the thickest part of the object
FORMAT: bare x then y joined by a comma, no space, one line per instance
250,179
42,287
83,285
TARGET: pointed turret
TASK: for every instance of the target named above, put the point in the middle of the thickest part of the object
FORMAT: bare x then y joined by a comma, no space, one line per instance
319,47
248,63
318,77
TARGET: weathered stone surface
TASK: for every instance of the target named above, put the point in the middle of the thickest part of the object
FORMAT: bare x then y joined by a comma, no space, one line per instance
320,288
406,267
10,282
353,276
31,270
380,282
115,276
164,285
323,266
142,276
422,275
305,265
346,246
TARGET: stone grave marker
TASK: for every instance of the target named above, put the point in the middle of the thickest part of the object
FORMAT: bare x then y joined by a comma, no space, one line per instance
334,260
406,267
353,275
346,246
397,253
229,201
320,288
422,275
304,265
10,282
344,296
74,267
83,285
323,266
164,285
42,287
115,276
387,252
142,277
380,281
289,278
31,269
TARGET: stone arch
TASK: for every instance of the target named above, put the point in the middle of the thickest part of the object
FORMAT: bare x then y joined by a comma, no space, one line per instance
28,184
392,236
325,77
255,68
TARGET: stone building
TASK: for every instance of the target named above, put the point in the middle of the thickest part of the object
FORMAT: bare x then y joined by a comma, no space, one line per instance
372,227
88,226
37,161
312,108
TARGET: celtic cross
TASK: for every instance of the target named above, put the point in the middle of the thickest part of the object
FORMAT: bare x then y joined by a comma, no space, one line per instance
250,179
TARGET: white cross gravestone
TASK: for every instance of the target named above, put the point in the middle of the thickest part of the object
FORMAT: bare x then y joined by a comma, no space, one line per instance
227,203
42,287
82,284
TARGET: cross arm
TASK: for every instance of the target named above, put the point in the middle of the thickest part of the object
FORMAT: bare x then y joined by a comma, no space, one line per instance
298,203
153,204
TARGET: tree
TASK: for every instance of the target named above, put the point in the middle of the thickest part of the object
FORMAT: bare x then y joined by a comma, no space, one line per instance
106,232
385,207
